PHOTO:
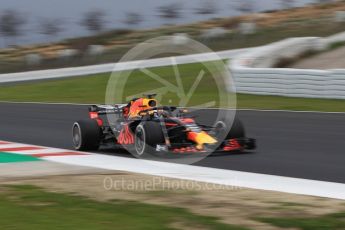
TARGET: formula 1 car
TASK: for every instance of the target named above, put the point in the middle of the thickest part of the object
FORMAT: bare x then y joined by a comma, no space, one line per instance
147,128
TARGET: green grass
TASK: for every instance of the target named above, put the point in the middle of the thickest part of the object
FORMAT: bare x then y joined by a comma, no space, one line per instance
91,89
29,208
336,45
290,206
290,103
334,221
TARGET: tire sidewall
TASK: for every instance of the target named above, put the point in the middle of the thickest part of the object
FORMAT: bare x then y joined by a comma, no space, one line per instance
141,152
89,134
77,146
153,135
235,131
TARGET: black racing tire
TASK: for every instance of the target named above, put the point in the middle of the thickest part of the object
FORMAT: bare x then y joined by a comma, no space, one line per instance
147,135
236,131
86,135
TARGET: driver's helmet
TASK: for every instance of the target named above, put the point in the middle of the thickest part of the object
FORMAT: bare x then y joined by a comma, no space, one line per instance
141,104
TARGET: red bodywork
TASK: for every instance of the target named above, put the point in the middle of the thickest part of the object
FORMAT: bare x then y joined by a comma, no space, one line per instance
94,115
126,136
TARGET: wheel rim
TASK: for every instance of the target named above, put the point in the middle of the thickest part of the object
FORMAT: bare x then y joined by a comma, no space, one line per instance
220,129
139,140
76,136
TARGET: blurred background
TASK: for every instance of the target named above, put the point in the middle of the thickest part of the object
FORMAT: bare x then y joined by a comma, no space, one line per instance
60,33
296,68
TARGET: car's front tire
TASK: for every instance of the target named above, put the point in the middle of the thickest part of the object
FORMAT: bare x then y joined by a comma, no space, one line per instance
86,135
147,135
235,131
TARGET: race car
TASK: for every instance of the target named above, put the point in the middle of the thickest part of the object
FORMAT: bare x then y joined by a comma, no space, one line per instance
146,128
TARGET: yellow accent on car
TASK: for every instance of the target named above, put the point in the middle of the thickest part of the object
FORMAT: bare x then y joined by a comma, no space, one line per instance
203,138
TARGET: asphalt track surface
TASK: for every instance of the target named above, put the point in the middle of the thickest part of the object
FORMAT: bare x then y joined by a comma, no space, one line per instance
302,145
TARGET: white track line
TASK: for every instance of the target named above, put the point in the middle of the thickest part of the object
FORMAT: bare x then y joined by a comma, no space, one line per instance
119,66
12,145
40,151
209,175
196,173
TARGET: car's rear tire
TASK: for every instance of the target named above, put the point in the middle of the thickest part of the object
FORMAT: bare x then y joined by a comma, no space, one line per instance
147,135
86,135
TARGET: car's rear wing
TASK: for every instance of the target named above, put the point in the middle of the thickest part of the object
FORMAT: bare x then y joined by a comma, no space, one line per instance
107,109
